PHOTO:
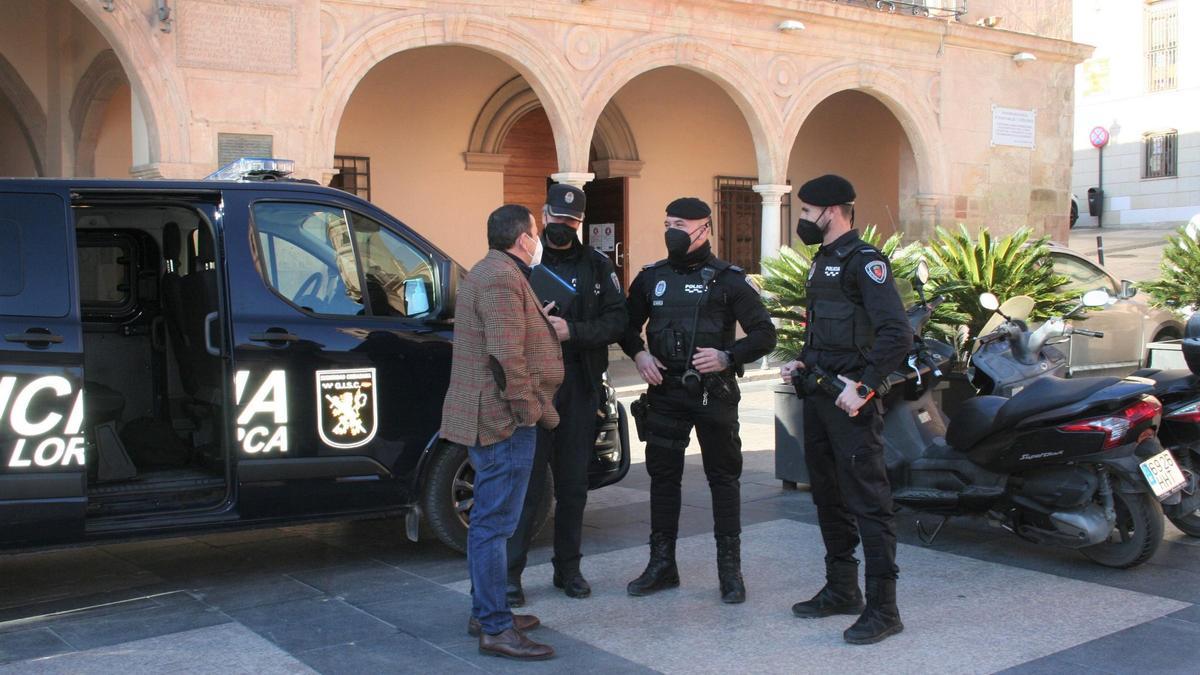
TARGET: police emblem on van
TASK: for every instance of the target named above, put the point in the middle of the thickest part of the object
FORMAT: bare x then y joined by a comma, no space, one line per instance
347,409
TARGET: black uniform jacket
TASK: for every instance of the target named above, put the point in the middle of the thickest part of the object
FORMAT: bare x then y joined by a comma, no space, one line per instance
851,268
597,317
731,298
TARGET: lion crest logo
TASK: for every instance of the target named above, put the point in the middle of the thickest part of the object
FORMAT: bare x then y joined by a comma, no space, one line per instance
346,407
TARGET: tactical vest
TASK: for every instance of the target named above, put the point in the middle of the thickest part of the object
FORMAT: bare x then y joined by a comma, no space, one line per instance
836,323
673,297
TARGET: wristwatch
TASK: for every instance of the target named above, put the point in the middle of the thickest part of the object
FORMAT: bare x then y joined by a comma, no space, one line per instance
863,390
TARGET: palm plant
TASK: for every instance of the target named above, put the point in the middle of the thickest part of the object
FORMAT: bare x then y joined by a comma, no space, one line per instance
963,267
1179,286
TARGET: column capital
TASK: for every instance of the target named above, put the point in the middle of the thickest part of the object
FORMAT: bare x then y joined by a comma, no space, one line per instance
575,178
771,191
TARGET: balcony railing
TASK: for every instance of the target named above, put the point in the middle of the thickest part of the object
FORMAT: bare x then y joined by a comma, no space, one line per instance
937,9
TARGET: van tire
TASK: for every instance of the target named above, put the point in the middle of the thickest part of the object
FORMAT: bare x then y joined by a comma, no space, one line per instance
448,484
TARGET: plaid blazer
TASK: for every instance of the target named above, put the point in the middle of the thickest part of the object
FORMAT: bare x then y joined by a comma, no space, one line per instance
507,362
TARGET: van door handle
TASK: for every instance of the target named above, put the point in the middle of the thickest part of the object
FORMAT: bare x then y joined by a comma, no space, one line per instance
274,335
209,344
35,337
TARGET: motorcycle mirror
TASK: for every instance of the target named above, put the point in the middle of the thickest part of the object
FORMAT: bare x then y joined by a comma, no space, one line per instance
989,301
922,272
1096,298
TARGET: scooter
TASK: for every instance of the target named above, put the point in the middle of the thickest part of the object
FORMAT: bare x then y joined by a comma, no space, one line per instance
1011,356
1179,391
1058,463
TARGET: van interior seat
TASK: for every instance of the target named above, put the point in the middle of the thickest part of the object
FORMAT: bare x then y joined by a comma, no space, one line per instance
102,403
198,291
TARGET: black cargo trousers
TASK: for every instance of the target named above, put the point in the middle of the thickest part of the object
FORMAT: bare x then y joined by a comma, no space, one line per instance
850,484
567,451
673,412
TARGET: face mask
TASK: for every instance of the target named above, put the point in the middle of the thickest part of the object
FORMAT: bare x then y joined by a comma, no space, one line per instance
810,232
678,242
536,258
559,234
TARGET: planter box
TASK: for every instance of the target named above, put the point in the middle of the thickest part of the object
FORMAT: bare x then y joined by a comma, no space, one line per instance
789,438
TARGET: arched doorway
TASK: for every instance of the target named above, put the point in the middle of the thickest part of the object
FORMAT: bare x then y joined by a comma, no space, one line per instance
22,125
854,135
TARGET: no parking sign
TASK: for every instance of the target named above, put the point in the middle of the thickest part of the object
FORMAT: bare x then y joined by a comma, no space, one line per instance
1098,137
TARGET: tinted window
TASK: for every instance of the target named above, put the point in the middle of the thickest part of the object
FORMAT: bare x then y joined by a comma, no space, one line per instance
104,276
1082,276
307,256
34,274
399,276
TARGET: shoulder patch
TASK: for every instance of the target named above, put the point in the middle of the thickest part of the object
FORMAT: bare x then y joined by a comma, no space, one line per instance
877,271
616,281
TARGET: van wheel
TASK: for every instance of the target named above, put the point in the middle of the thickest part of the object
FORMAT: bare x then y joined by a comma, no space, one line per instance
449,494
1137,534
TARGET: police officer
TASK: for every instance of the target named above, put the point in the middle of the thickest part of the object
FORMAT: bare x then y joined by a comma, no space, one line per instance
857,332
692,300
593,321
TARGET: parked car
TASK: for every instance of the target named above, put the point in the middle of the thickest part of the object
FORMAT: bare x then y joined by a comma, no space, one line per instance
1128,323
191,355
1074,210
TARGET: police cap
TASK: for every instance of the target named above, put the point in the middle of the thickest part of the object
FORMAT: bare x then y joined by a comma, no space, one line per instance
827,190
688,208
566,201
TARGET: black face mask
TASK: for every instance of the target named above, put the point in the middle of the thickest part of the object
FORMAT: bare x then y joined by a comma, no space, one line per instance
559,234
678,242
810,232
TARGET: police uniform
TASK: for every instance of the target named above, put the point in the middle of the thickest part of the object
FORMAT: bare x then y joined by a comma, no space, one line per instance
595,319
856,327
687,303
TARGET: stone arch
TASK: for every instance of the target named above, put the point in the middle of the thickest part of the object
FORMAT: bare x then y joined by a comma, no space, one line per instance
734,76
917,117
27,110
613,139
544,74
92,94
152,79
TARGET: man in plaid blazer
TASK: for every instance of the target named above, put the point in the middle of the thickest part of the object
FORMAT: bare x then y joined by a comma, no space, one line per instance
506,369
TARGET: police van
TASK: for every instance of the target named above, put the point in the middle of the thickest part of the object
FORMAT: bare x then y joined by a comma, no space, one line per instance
190,355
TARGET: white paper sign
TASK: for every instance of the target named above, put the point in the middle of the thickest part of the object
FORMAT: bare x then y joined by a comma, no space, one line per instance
603,236
1014,127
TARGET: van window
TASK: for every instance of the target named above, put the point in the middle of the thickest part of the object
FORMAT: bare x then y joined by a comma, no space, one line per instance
106,276
307,256
34,274
399,276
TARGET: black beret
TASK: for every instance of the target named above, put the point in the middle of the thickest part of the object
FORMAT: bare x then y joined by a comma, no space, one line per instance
827,190
688,208
566,201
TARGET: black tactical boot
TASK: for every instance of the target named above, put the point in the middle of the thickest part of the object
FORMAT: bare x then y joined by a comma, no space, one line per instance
840,595
568,577
881,618
729,569
514,593
660,571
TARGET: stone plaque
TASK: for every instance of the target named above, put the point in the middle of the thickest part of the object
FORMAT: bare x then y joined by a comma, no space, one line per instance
231,147
1014,127
243,35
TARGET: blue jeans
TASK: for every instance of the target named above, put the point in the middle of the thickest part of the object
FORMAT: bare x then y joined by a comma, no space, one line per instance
501,478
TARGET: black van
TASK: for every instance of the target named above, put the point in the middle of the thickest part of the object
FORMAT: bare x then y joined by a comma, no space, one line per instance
185,355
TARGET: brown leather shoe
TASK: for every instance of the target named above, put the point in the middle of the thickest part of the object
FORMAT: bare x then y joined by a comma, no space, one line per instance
512,644
521,622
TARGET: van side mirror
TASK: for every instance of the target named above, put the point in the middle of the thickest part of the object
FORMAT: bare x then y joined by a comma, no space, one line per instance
1128,290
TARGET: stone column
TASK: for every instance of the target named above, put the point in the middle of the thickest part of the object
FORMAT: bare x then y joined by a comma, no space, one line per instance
927,207
576,178
771,196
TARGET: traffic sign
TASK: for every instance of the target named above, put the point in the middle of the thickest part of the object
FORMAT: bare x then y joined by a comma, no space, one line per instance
1098,137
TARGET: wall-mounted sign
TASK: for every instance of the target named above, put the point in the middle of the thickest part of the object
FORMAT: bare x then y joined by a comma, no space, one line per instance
1098,137
1014,127
603,236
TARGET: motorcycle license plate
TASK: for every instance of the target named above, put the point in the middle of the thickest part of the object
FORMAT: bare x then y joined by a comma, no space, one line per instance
1163,474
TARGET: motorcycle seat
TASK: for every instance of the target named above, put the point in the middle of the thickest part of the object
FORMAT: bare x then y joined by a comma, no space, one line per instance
1048,393
973,421
1169,381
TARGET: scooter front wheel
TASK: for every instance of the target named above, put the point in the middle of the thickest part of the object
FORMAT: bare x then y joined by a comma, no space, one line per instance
1188,524
1136,535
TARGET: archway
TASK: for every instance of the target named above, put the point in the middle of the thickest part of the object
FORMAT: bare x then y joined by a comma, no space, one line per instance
853,135
101,119
22,126
417,147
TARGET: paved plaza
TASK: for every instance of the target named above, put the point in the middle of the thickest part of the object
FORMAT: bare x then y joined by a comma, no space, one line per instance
359,598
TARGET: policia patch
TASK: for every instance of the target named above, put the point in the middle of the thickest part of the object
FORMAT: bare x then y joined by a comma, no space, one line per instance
347,407
877,271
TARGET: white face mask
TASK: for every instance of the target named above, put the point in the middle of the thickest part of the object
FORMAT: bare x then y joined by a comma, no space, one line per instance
535,258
